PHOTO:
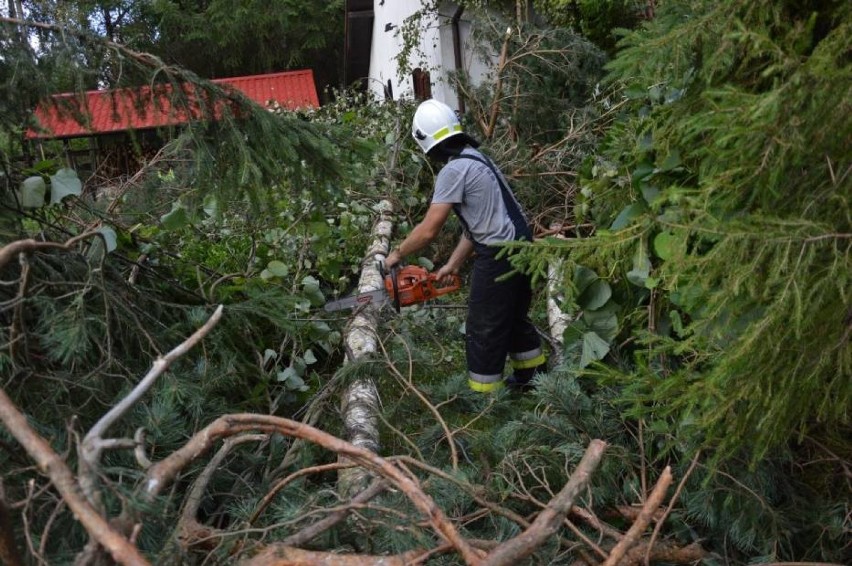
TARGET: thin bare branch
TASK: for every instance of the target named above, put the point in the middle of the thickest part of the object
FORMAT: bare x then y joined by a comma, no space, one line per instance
549,520
63,479
632,535
163,473
312,531
283,555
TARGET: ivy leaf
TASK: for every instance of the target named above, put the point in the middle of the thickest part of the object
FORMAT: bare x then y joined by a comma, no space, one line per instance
63,184
277,268
664,245
109,237
312,291
583,277
291,380
574,332
671,161
176,218
641,267
628,214
594,348
603,322
309,357
595,296
32,192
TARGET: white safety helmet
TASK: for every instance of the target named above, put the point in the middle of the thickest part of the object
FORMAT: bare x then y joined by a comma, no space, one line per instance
433,123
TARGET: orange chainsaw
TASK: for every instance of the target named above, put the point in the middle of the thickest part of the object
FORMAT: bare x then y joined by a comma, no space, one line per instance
404,286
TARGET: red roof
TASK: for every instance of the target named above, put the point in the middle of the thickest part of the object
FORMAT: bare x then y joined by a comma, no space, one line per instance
104,111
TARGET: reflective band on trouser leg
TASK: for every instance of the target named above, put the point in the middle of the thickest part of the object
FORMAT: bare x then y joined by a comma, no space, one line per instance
528,359
485,383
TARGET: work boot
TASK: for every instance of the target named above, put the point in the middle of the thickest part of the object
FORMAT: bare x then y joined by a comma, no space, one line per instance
518,383
522,379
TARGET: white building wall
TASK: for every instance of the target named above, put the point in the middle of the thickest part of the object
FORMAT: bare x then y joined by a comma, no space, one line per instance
435,53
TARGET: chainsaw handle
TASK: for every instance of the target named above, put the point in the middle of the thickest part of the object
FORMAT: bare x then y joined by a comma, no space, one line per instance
441,288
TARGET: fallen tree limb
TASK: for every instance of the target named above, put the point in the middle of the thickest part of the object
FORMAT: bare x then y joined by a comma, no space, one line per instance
94,442
49,462
651,505
162,473
282,483
283,555
196,494
12,249
312,531
548,521
664,552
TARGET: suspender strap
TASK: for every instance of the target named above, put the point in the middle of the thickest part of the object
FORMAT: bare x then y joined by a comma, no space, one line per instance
522,229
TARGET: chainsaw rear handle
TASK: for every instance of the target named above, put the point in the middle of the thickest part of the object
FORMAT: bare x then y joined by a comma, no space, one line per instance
441,288
412,284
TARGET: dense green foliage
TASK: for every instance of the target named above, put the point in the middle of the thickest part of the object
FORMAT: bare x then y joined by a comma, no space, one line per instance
211,38
704,189
721,196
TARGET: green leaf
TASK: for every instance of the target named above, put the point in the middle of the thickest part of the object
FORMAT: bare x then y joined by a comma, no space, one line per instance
425,263
595,296
671,161
109,237
277,268
176,218
309,357
63,184
318,228
642,171
649,192
32,192
628,214
594,348
269,355
664,245
291,379
574,332
603,322
211,205
641,267
583,277
311,288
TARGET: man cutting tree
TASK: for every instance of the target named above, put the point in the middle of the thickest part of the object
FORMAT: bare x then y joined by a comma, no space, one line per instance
470,185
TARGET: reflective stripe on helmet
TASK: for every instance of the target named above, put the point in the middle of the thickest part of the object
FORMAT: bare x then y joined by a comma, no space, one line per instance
433,123
444,132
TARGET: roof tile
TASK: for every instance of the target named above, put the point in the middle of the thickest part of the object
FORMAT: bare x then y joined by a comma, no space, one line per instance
100,111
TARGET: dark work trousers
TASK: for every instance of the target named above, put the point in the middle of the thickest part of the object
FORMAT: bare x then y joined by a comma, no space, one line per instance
497,321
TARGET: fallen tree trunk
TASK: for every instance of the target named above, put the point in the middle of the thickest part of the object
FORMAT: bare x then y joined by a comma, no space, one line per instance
360,403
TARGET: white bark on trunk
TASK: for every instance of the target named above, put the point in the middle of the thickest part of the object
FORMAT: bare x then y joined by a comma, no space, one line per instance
360,404
557,320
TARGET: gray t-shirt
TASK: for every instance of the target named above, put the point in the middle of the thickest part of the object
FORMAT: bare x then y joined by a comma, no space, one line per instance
472,186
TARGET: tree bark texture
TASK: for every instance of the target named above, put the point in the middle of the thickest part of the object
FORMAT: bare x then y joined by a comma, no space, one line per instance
360,404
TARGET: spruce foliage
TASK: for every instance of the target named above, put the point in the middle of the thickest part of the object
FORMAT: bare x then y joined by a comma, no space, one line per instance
728,173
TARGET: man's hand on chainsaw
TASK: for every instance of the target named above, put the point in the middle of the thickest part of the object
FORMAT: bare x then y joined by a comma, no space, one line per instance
393,259
445,274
